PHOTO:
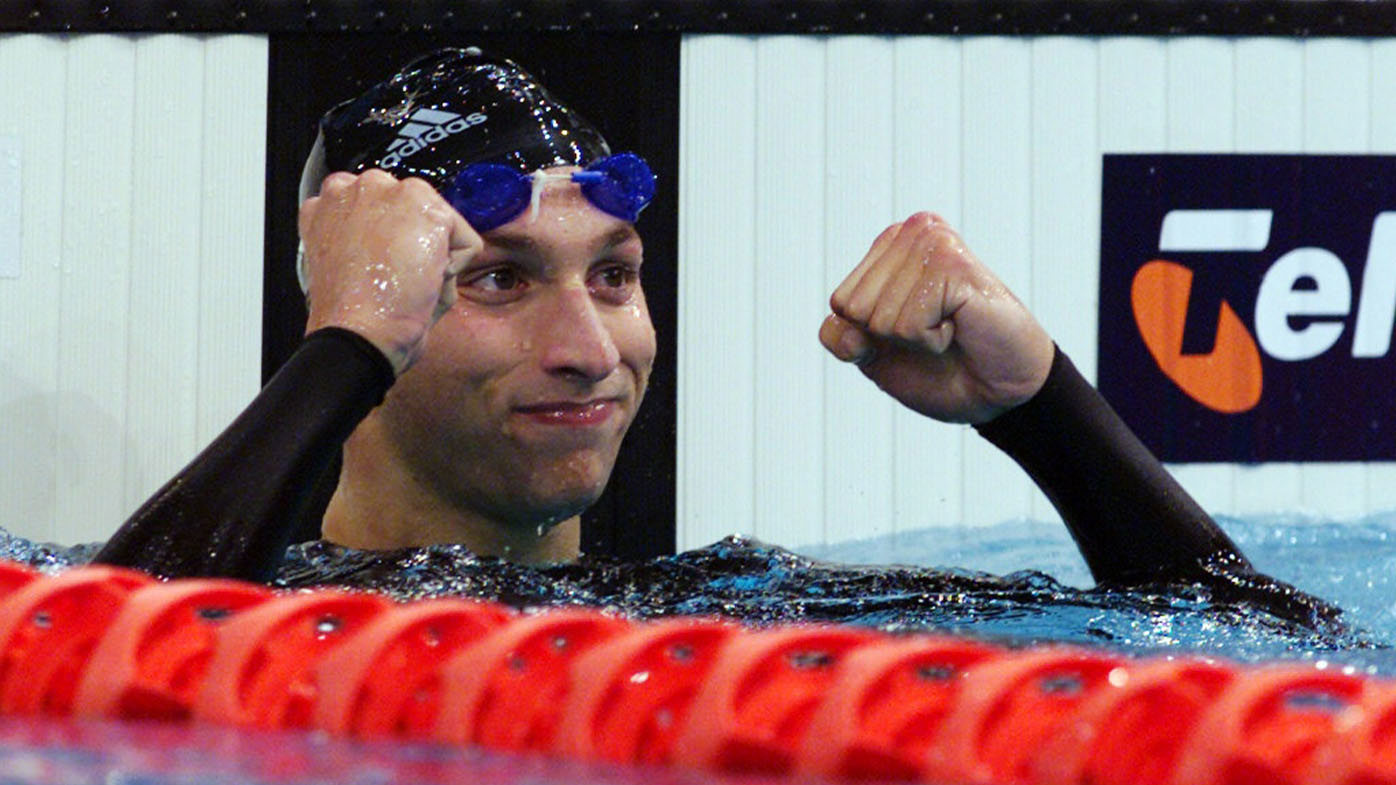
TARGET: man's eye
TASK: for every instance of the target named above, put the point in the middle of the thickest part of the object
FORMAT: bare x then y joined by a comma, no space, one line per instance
616,276
501,280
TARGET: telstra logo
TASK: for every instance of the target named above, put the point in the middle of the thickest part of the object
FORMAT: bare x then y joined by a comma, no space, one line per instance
1247,305
1309,282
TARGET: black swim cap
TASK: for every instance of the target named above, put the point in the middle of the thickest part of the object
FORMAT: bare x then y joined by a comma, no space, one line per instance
444,111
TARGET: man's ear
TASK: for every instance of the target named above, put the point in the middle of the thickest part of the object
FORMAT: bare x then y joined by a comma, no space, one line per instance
312,174
315,169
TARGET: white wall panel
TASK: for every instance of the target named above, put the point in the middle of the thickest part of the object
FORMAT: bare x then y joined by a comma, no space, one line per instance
1201,95
231,218
32,70
1003,136
997,223
94,283
928,481
161,401
1269,95
141,267
716,317
858,194
789,428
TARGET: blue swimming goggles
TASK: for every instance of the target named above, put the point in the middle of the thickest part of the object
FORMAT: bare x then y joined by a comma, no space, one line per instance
490,195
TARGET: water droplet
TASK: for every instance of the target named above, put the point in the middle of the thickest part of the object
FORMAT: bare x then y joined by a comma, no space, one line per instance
1061,684
43,620
327,625
213,614
810,659
639,677
431,636
935,672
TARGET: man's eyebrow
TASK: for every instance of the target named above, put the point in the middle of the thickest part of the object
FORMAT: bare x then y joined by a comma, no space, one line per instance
512,242
520,242
620,235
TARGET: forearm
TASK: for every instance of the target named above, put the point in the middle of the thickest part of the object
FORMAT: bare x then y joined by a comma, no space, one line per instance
1130,518
231,511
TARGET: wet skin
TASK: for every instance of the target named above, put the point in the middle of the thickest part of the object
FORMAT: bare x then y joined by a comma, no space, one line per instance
510,421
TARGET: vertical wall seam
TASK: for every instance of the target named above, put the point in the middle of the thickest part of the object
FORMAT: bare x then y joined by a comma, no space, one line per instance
63,226
1033,228
124,471
198,370
1031,176
896,182
890,410
680,331
755,185
824,253
960,211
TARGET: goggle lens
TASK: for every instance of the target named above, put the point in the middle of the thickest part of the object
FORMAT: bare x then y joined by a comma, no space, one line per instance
491,195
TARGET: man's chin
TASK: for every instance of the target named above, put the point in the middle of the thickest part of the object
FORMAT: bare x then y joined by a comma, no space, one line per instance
561,503
543,515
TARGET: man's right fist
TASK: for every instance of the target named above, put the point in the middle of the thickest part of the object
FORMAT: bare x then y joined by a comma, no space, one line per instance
381,255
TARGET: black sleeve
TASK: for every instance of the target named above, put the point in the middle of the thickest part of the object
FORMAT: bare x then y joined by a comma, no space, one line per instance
1132,521
230,512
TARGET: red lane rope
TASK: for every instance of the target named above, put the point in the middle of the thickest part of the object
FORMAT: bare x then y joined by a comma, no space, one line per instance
809,700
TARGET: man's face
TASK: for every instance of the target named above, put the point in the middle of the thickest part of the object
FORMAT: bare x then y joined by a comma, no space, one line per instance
517,407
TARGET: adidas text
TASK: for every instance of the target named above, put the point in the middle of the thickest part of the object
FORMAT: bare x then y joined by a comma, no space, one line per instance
427,127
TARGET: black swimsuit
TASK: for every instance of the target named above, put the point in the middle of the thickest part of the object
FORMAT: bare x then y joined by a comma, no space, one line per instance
230,513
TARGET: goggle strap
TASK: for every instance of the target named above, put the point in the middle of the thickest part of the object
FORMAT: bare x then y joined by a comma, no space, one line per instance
540,179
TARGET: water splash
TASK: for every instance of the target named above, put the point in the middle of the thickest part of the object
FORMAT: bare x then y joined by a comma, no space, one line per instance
761,584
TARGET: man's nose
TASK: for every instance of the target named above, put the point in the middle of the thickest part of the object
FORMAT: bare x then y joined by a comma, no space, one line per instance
577,342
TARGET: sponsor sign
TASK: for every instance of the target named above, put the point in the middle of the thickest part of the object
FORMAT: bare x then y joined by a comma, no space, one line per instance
1247,305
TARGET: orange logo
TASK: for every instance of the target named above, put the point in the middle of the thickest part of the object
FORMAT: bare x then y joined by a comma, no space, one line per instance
1227,379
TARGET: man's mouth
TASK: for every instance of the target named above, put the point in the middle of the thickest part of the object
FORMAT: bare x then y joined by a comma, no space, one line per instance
571,413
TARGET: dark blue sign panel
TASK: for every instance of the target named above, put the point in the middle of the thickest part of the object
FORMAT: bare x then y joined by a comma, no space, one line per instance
1247,305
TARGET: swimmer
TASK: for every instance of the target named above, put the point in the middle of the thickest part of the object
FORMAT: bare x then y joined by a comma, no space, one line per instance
479,342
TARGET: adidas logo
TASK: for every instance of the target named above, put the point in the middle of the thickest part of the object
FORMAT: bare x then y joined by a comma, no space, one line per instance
426,127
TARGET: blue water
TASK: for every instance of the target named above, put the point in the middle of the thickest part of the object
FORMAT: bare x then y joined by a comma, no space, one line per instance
1352,564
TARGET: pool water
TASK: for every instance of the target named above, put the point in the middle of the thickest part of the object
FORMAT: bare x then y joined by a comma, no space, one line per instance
989,594
1351,564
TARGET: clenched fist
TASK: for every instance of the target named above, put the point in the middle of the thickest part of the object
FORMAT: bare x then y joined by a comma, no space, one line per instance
381,256
930,324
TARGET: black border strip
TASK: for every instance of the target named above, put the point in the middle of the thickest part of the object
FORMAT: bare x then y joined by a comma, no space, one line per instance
890,17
